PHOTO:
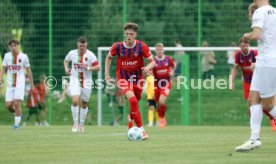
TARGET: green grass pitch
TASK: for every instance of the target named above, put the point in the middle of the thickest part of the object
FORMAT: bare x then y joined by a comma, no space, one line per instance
173,144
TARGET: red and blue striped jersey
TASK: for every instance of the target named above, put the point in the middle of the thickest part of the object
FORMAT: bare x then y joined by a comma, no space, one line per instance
130,59
245,61
162,69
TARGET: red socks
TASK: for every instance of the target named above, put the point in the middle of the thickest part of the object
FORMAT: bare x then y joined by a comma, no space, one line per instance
162,110
134,111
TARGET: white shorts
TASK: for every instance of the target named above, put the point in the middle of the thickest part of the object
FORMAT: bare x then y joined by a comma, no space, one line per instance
15,93
264,81
84,93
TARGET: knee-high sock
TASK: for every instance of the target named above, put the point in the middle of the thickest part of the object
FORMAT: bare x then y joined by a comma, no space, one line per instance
256,121
157,116
83,113
75,114
17,120
134,111
162,110
150,115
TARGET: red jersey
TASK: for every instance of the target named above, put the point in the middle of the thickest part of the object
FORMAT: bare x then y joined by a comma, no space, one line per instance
245,61
162,69
41,92
33,99
130,59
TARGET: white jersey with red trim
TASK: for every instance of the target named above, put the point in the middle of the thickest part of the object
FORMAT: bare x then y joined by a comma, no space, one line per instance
15,65
79,75
265,19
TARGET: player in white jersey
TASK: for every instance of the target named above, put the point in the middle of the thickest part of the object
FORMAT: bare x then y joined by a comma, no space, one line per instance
84,62
263,85
15,63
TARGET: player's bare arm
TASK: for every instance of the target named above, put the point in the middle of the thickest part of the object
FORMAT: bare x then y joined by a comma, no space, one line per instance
30,75
67,70
254,35
108,61
172,70
151,64
233,76
3,70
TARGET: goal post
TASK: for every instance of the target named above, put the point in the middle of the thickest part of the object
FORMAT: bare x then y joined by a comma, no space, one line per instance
185,71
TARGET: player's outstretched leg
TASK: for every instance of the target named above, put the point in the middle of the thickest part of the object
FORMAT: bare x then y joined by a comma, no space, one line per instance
135,114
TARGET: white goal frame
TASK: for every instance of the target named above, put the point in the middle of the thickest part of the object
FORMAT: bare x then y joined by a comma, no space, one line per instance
186,49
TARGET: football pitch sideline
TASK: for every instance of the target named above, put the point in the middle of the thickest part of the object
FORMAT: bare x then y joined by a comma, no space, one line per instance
173,144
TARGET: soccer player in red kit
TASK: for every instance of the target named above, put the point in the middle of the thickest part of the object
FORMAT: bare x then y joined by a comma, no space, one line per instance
246,58
130,69
163,73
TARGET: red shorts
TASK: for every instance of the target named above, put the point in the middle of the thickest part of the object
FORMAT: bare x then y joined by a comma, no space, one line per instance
137,89
246,90
162,91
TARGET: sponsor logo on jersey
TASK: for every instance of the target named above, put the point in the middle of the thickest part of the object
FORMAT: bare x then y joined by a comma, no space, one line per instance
77,67
14,68
129,63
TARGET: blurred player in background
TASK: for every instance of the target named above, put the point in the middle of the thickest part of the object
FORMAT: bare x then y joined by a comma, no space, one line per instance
120,101
231,56
151,100
129,71
33,106
208,61
15,63
84,62
42,93
163,72
263,86
246,58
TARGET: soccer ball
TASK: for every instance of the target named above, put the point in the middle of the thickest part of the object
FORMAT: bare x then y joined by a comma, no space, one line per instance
134,134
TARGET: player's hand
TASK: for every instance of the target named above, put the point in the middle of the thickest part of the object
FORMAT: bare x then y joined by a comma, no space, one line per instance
33,88
67,71
246,36
107,78
251,67
145,70
171,74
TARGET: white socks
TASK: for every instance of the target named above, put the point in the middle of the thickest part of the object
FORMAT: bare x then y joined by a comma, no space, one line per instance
273,112
83,113
75,114
17,120
256,121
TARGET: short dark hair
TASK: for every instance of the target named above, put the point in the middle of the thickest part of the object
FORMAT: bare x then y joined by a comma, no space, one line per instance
243,40
82,39
132,26
13,41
